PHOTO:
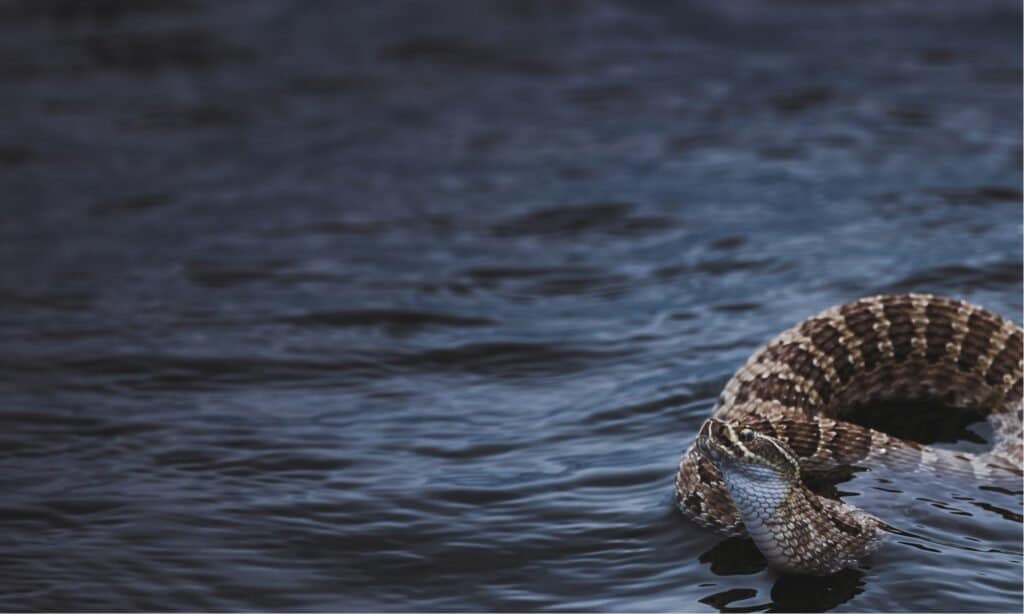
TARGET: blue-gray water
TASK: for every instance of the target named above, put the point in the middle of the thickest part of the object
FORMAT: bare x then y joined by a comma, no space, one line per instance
414,306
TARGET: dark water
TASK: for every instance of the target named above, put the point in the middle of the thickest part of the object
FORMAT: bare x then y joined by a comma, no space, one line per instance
391,306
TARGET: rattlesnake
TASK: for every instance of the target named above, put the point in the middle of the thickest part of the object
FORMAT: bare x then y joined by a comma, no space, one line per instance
777,423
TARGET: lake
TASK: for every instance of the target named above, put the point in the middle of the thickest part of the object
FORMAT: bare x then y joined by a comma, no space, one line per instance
402,306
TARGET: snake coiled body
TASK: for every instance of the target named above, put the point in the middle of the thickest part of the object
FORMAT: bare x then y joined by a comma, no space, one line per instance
779,421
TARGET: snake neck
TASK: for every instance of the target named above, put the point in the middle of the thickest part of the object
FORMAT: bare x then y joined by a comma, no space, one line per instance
796,530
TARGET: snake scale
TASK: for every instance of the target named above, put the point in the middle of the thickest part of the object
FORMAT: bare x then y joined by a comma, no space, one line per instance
779,422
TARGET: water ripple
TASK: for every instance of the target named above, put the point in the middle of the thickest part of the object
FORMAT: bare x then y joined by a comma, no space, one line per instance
382,306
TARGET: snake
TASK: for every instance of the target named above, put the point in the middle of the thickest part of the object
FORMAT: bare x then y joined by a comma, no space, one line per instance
785,418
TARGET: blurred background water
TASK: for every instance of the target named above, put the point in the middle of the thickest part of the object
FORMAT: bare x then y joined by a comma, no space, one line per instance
414,305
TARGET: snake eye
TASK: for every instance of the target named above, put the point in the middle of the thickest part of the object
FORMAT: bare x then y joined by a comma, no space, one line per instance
746,435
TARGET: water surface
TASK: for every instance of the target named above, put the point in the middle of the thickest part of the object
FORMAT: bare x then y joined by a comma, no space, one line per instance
383,306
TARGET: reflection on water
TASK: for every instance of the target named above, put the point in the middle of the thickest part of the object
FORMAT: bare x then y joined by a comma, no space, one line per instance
793,594
380,306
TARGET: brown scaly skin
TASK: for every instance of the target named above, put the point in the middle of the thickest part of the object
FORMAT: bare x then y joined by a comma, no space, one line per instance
793,392
795,529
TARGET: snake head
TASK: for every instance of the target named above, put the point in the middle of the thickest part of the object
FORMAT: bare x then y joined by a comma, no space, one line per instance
734,447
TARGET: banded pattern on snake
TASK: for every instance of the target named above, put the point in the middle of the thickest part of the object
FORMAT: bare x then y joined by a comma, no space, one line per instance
778,422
